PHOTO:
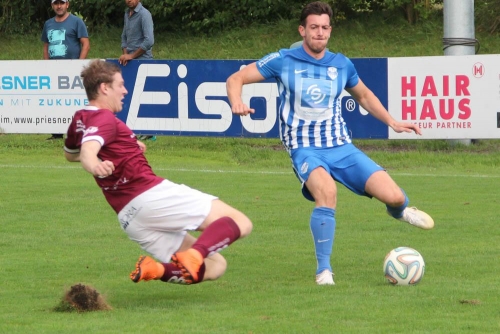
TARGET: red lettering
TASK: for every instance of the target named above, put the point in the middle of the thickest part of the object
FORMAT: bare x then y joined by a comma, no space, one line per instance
446,85
428,110
408,86
410,109
429,87
477,70
463,106
442,108
462,83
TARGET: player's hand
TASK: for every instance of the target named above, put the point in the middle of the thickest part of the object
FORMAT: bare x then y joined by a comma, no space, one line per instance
142,146
242,109
406,127
103,169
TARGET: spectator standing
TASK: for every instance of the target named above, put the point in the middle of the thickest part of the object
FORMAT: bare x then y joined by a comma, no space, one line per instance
138,33
64,36
137,36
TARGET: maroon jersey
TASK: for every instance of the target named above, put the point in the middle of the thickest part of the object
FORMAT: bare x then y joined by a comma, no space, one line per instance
132,175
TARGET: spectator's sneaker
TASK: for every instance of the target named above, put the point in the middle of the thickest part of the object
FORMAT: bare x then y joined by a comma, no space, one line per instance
146,269
418,218
55,136
189,262
325,278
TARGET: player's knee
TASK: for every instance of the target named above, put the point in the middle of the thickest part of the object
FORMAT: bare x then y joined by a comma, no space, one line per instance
245,225
215,266
397,198
326,197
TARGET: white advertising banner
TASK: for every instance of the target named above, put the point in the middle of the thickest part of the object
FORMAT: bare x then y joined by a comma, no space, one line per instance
449,97
40,96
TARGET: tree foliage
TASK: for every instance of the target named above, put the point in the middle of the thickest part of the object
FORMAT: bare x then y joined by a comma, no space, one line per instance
487,14
207,16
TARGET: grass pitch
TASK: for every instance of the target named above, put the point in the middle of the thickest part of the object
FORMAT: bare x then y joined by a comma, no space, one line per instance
57,230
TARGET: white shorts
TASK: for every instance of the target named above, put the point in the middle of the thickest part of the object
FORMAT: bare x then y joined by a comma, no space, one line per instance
159,218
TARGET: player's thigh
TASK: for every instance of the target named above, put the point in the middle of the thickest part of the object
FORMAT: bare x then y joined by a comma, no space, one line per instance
188,241
307,162
322,188
220,209
159,218
381,186
354,170
161,245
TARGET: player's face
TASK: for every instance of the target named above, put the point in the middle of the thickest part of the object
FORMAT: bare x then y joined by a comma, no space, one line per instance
116,92
316,33
60,8
132,3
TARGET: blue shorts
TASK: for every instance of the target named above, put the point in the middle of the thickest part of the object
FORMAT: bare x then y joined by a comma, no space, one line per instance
346,164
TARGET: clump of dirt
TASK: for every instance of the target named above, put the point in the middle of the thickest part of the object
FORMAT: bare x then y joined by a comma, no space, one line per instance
82,298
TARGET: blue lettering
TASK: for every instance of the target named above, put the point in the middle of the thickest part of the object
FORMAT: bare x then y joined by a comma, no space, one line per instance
7,83
44,82
19,83
60,102
30,82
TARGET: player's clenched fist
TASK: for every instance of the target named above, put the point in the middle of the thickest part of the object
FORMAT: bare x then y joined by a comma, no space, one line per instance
103,169
241,109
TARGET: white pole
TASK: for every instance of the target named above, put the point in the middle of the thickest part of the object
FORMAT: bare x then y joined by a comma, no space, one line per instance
459,34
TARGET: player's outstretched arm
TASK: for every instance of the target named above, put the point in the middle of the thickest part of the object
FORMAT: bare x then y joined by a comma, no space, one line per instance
234,86
365,97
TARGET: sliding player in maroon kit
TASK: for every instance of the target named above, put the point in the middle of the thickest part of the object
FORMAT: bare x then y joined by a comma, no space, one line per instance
154,212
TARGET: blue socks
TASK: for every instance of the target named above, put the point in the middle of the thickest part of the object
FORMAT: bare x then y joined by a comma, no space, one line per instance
323,231
397,212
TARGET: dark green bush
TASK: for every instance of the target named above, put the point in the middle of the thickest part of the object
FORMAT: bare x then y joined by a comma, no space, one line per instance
208,16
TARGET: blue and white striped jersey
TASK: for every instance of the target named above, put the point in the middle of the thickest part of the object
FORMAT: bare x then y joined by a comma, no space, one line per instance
309,90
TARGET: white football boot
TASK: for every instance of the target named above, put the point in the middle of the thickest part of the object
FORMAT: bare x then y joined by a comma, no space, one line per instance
325,278
418,218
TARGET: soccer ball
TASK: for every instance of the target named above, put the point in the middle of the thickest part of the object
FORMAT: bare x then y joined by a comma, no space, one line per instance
404,266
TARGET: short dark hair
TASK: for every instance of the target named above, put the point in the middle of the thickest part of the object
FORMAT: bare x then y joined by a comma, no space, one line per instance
315,8
95,73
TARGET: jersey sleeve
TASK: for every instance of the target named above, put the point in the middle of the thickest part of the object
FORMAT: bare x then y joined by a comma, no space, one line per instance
73,140
270,65
100,126
352,74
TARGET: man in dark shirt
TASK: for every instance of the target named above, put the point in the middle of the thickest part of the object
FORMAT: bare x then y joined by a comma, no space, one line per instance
137,35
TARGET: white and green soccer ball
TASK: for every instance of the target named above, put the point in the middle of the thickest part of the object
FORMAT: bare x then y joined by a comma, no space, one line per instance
404,266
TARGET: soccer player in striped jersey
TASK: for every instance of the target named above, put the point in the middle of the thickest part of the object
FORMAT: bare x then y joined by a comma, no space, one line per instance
310,80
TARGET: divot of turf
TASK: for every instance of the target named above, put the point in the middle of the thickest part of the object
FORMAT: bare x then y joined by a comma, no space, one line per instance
82,298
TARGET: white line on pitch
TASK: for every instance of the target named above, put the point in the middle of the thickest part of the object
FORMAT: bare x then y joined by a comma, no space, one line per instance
247,171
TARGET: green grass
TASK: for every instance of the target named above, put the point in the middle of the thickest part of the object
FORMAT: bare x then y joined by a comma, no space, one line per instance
57,230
